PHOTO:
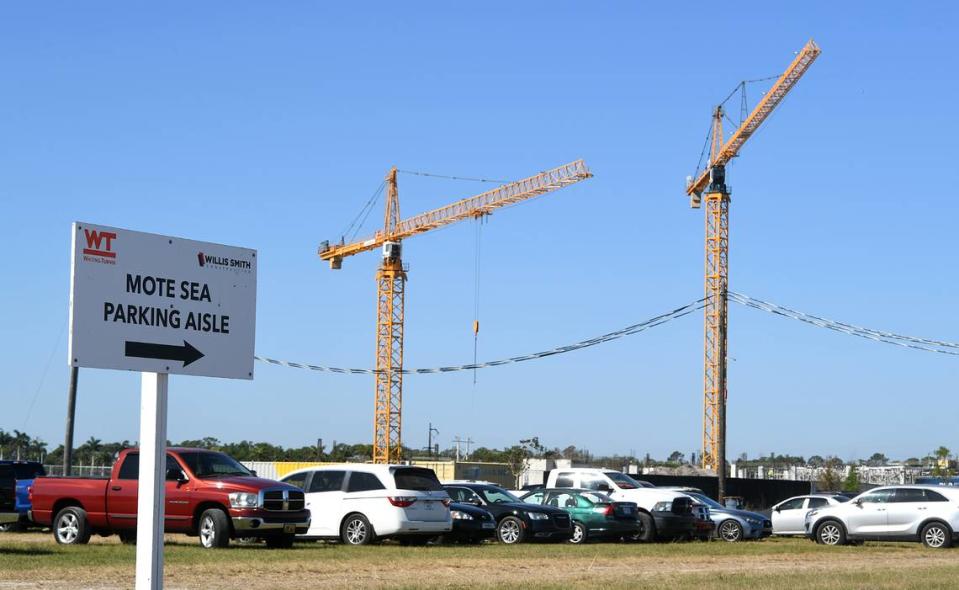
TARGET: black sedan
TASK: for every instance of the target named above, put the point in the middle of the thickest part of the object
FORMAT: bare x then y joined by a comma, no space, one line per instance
471,524
516,521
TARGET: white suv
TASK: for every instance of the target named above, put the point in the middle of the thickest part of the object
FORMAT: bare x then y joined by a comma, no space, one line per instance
360,503
929,514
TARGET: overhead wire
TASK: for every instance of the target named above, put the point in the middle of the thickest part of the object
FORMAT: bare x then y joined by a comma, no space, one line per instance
924,344
623,332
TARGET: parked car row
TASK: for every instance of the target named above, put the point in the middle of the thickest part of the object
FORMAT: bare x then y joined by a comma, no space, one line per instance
213,497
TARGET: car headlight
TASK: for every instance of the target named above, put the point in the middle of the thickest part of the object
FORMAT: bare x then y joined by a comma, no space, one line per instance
537,515
663,506
754,522
458,515
243,500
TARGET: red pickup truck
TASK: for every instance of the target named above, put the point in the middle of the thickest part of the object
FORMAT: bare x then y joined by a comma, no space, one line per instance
208,494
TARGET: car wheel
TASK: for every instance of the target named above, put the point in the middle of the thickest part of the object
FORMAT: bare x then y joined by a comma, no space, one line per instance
936,535
830,532
128,537
579,533
730,530
356,530
647,528
280,541
70,527
510,531
214,529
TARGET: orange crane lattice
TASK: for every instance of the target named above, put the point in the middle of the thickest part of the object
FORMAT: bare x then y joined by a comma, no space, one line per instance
391,282
713,181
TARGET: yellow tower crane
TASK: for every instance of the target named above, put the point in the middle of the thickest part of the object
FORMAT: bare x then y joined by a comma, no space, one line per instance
391,282
712,181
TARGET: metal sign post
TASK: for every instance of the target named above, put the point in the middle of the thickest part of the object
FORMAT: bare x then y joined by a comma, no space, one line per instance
151,492
159,305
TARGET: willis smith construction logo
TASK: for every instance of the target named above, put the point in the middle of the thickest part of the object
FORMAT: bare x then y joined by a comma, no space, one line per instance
222,262
99,246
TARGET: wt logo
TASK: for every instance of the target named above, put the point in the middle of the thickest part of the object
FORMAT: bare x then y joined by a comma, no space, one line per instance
100,243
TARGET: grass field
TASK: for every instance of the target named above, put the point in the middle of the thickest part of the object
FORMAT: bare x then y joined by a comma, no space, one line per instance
30,561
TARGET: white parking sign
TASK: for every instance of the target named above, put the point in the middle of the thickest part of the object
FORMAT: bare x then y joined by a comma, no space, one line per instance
160,304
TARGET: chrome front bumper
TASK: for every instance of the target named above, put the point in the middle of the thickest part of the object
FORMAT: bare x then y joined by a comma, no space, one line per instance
253,524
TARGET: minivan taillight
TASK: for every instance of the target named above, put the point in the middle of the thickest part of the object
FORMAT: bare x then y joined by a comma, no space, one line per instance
401,501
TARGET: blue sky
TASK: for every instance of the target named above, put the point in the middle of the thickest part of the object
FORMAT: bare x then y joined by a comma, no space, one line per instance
268,126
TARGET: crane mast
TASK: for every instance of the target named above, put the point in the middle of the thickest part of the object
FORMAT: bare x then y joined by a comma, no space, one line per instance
712,181
391,282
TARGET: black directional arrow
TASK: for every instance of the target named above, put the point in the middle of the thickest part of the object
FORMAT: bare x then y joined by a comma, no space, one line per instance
167,352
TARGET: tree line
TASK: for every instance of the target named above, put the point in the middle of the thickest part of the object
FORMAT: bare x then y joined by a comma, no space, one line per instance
94,451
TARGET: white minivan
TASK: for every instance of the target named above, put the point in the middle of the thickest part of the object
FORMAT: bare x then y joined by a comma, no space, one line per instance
359,503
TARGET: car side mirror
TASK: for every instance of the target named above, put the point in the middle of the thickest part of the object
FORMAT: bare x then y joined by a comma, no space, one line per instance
475,501
604,488
253,472
174,474
857,503
777,509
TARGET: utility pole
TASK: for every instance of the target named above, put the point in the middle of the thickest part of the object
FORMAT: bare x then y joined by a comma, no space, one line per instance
459,441
319,449
71,413
429,445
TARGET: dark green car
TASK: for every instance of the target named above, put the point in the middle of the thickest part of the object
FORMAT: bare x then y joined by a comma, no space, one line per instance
594,514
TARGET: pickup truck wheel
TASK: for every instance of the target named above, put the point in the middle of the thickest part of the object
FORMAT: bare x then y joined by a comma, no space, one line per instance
128,537
356,530
511,531
214,529
647,528
70,527
280,541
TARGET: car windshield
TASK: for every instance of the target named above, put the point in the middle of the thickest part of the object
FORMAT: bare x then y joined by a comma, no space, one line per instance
622,480
498,496
207,464
705,500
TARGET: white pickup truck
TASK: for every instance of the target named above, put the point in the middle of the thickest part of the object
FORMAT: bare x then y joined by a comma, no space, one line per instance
665,514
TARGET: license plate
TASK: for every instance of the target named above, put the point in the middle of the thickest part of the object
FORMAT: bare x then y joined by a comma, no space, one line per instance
289,528
627,510
489,525
427,505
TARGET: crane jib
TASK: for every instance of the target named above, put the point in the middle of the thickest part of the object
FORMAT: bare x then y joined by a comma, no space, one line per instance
482,204
760,113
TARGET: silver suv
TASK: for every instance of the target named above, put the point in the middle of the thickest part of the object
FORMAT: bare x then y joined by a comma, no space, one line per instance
929,514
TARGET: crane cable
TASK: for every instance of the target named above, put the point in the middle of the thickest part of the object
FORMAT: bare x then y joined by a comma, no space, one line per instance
430,174
476,291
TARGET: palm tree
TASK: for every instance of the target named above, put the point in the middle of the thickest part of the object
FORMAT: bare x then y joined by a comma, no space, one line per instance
93,446
5,439
20,441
